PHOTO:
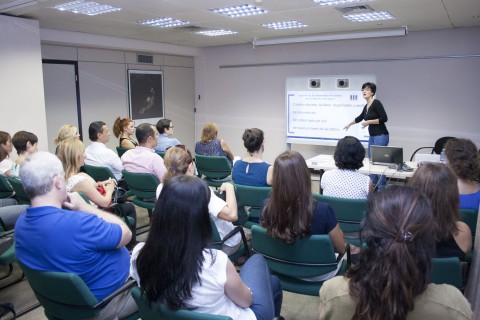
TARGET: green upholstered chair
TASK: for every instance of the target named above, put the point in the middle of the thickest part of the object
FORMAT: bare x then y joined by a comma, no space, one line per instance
349,213
6,190
65,295
447,270
20,195
7,258
121,151
305,258
215,170
158,311
160,153
217,241
143,186
98,173
252,198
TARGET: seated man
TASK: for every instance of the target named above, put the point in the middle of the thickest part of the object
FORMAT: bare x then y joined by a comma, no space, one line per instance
165,140
97,153
143,158
85,240
25,143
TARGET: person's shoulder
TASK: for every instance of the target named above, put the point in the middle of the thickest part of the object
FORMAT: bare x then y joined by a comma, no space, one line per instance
334,287
447,296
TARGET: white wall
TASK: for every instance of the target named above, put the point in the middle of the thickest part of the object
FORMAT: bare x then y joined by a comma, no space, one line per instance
22,102
242,87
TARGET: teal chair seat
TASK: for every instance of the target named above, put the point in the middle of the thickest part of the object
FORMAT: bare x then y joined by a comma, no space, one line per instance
98,173
143,186
217,241
215,170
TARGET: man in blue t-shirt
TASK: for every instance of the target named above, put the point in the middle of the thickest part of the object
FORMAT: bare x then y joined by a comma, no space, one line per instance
83,240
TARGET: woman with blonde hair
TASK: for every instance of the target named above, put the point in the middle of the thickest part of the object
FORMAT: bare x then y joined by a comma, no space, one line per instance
123,128
66,131
210,145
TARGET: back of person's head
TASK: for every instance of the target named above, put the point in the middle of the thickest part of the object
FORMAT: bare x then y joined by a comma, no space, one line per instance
66,131
119,125
349,153
371,86
209,132
94,129
163,124
439,184
21,138
463,158
70,151
171,260
252,139
394,268
4,138
37,172
144,131
288,213
177,160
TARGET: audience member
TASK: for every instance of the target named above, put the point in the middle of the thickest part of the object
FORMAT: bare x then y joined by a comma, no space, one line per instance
165,140
179,162
97,153
252,170
463,159
176,266
123,128
26,144
209,145
390,280
291,213
6,147
66,131
143,158
346,181
85,241
439,184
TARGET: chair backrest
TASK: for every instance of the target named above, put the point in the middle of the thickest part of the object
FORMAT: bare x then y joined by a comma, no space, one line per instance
252,197
160,153
98,173
213,167
469,216
20,194
447,270
142,185
6,189
63,295
157,311
121,151
440,144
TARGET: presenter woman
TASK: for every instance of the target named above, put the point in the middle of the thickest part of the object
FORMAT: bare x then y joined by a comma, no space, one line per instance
374,116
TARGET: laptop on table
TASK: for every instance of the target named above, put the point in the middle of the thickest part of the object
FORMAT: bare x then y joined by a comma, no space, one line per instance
387,156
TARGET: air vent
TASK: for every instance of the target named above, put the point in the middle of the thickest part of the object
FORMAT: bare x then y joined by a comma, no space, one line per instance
143,58
355,9
190,29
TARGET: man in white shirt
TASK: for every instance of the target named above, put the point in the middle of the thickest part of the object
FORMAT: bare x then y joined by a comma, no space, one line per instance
97,154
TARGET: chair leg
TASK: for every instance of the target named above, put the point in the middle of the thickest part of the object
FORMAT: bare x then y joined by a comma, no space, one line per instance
5,308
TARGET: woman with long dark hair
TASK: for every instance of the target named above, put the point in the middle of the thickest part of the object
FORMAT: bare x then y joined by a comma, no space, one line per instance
176,267
390,280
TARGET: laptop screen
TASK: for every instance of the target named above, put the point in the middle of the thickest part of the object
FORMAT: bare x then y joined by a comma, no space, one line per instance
386,155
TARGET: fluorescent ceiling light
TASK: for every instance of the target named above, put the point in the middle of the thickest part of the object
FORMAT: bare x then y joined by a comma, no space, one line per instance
164,22
369,16
239,11
89,8
215,33
336,2
336,36
284,25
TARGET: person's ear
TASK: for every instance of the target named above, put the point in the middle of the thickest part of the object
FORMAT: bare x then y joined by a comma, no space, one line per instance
58,182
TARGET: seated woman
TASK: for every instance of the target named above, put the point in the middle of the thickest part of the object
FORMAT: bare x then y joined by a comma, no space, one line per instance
291,212
209,145
71,153
252,170
124,129
6,147
178,161
439,184
463,159
66,131
176,267
390,280
346,181
25,143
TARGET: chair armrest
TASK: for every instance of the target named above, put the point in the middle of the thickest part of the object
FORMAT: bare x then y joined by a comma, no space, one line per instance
244,239
126,286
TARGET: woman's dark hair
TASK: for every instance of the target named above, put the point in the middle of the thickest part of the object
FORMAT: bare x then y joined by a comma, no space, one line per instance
4,137
252,139
439,184
394,268
349,153
171,260
463,158
288,213
371,86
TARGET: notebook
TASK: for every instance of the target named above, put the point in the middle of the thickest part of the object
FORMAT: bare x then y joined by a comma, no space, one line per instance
382,155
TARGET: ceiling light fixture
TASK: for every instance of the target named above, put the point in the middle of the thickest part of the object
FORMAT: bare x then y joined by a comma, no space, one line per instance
215,33
335,36
244,10
88,8
369,16
284,25
164,22
336,2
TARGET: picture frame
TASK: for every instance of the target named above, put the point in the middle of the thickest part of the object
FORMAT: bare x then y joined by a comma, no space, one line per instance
145,92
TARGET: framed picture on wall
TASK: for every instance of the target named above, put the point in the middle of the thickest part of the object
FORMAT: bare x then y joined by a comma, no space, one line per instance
145,91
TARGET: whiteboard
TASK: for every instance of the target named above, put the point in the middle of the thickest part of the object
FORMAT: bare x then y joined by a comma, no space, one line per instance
319,107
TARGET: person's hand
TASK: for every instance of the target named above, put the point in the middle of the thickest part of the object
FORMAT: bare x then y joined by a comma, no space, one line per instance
346,127
354,249
110,181
364,124
225,186
109,186
74,202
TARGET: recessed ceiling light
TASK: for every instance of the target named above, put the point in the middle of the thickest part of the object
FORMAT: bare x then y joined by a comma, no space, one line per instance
284,25
336,2
164,22
239,11
369,16
215,33
89,8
